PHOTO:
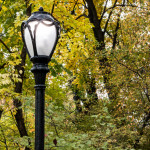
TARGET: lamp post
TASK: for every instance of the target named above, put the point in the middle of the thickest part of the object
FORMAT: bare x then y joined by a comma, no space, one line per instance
40,34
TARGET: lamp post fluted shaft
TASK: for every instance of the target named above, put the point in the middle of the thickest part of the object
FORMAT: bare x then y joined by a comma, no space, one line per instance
39,117
40,70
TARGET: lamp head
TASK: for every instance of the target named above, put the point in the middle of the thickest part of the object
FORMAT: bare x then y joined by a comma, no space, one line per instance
40,34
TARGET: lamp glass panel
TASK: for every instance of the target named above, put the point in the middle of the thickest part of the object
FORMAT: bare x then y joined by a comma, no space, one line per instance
46,36
28,39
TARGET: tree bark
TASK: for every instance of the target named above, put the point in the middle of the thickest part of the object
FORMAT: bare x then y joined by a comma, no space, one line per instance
17,103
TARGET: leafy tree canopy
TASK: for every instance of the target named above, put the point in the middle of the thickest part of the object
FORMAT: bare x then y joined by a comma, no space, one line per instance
97,94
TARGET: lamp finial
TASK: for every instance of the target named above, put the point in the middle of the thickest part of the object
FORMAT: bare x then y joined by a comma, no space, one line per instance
41,9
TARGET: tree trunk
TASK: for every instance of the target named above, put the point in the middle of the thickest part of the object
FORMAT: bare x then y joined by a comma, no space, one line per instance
17,103
105,66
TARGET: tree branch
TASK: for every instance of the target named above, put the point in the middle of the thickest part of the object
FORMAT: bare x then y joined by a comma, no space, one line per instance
6,46
109,34
109,16
83,15
122,5
116,31
103,12
1,111
115,36
136,72
53,7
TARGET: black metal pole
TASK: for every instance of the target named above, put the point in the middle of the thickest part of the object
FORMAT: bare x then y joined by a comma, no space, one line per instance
40,68
39,117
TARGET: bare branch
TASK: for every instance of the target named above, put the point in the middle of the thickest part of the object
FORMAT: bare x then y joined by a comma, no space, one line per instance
103,12
147,93
120,5
107,21
116,31
109,17
109,34
53,7
83,15
134,71
5,46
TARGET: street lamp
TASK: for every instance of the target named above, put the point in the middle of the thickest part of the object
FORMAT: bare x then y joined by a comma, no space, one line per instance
40,34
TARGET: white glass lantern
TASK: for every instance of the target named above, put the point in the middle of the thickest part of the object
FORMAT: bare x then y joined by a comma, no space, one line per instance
40,34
